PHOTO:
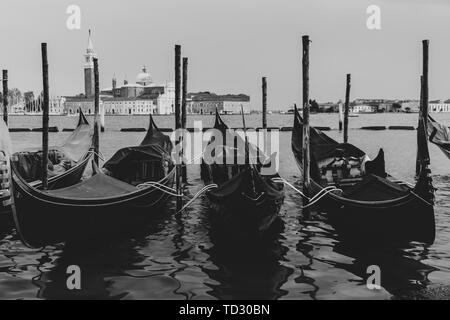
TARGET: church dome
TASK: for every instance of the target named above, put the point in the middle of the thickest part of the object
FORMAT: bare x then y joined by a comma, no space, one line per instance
144,77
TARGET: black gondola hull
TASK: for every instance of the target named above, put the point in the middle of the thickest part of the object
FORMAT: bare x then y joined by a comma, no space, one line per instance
408,219
390,219
245,216
45,220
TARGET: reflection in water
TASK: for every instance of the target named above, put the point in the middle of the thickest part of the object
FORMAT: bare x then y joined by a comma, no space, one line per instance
402,272
248,267
100,263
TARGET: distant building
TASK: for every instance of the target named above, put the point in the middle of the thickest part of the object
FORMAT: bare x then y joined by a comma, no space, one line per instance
57,105
439,106
157,98
329,107
141,97
89,88
207,103
410,106
377,105
73,104
129,106
363,109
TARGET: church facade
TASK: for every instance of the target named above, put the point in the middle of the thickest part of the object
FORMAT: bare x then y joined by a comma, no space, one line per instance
140,97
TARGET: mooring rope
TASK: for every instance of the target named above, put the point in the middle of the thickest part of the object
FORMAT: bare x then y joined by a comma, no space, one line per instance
311,201
198,194
99,154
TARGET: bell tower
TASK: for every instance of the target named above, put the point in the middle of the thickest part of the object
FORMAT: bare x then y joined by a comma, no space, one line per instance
89,68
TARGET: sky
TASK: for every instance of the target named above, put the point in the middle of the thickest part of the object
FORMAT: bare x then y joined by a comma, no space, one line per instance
231,44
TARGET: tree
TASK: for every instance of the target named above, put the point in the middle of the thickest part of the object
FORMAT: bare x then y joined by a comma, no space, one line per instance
29,98
14,96
396,107
314,106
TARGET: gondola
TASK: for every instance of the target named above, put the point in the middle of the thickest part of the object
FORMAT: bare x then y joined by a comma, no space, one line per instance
99,206
67,164
361,200
439,135
244,202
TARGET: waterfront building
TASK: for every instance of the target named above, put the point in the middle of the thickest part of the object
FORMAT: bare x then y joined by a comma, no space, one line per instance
73,104
410,106
144,94
141,97
89,69
439,106
207,103
129,106
363,109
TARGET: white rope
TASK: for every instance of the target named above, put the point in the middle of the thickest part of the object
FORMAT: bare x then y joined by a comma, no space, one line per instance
198,194
317,199
322,193
160,187
415,194
99,154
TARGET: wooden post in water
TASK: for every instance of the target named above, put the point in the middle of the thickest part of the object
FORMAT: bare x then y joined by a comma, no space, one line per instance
347,107
425,44
264,103
102,117
306,146
418,160
183,111
423,158
96,111
45,115
341,115
178,116
5,96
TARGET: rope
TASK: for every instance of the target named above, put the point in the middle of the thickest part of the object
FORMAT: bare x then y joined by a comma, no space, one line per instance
99,154
322,193
198,194
160,187
419,197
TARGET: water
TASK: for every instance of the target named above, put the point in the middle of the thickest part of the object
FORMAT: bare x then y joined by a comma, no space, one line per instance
182,258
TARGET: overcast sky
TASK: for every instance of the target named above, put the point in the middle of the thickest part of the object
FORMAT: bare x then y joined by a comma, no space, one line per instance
231,44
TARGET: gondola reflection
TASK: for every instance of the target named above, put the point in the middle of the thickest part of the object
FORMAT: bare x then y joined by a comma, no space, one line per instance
103,265
248,267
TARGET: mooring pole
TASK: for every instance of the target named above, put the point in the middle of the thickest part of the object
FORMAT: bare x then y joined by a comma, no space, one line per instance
425,44
5,96
264,103
341,115
347,107
102,117
183,111
178,117
419,127
96,111
45,112
423,157
306,146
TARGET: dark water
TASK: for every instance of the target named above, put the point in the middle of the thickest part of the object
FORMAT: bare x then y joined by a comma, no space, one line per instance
181,257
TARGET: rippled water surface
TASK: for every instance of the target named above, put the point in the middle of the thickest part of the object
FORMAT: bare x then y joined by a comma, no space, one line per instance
181,257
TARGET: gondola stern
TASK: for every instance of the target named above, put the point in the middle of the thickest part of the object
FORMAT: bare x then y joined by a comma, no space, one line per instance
82,118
